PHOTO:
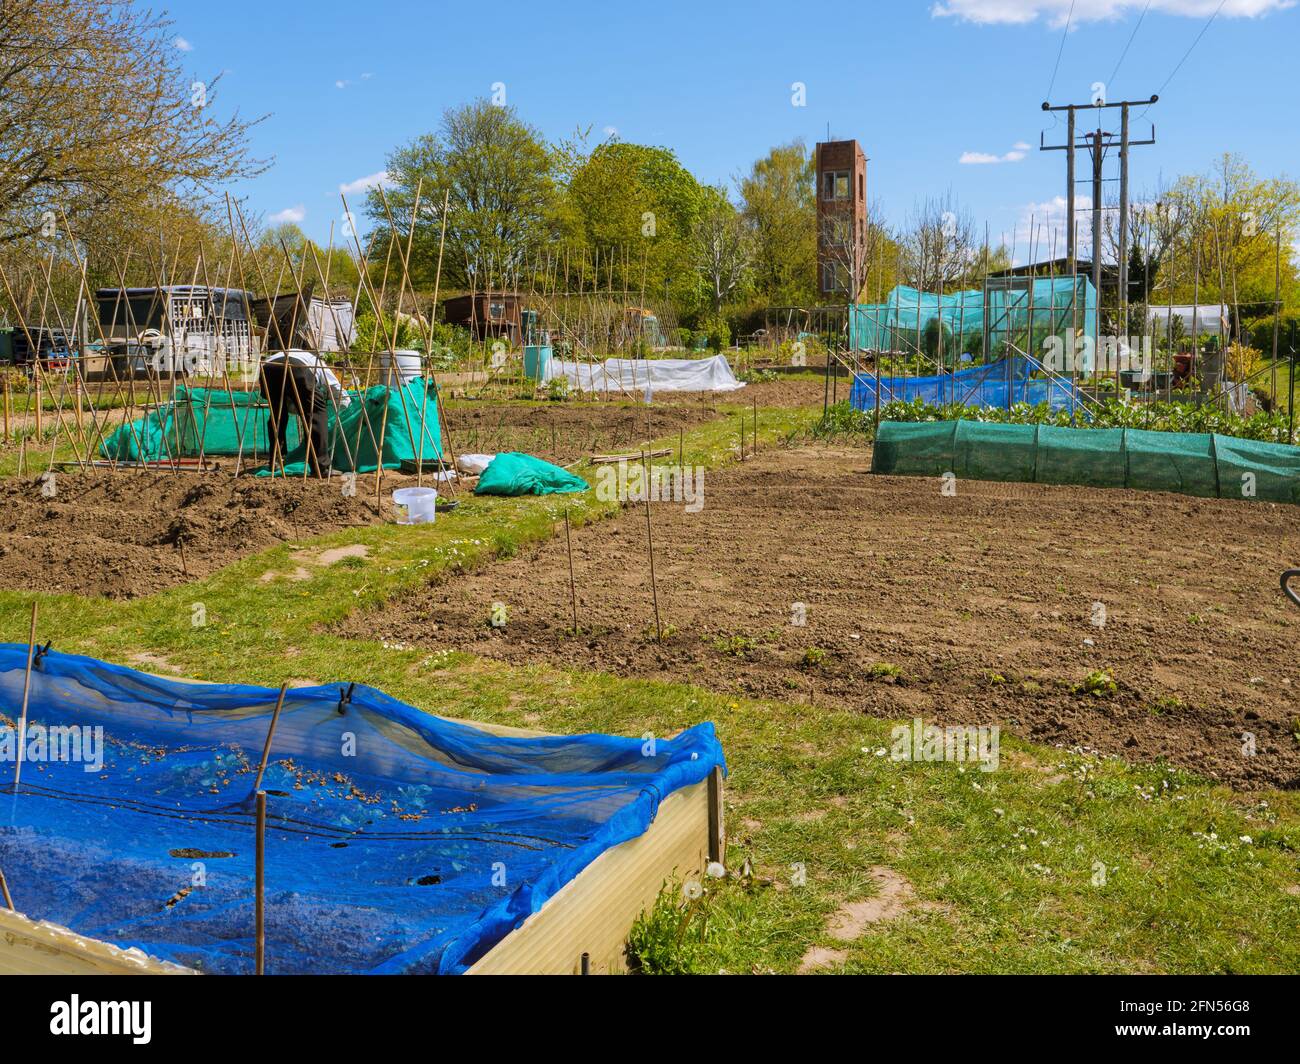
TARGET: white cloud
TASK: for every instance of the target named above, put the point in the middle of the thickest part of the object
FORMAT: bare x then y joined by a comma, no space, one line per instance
289,214
182,44
1055,12
341,84
364,184
1044,224
983,158
610,131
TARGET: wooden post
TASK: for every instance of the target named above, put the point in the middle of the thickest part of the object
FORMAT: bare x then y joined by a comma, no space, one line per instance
36,378
717,832
27,688
573,588
270,734
650,547
4,890
260,888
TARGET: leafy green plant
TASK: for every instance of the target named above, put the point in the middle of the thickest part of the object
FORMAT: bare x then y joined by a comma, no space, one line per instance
1099,683
814,657
738,646
557,389
670,938
881,670
1159,416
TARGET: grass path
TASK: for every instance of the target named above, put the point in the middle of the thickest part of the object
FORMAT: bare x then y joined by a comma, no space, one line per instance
1055,862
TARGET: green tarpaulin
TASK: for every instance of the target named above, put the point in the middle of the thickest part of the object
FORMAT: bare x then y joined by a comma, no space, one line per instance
512,473
221,423
1190,463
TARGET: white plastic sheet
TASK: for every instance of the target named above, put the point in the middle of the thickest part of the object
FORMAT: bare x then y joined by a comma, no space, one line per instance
658,374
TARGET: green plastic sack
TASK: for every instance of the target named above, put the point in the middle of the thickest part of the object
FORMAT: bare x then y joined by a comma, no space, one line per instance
513,473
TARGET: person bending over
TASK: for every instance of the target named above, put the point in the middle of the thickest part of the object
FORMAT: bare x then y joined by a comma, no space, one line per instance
298,383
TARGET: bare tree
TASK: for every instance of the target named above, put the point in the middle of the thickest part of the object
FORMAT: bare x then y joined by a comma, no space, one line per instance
723,247
938,244
97,113
850,245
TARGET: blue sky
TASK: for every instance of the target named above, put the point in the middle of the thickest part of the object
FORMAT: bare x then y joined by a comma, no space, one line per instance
920,84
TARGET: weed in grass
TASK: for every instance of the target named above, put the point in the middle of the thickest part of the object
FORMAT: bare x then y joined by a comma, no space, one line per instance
670,938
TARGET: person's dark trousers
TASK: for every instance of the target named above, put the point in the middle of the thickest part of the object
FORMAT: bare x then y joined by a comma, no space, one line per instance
291,391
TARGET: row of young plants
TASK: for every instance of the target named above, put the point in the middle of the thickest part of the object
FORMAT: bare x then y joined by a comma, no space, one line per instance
1159,416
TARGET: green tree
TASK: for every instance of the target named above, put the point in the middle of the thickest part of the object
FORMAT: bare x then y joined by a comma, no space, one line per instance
97,114
636,207
779,197
496,173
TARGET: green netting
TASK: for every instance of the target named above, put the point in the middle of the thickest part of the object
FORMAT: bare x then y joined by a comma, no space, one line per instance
925,449
1171,461
987,451
1069,456
1270,470
1054,305
1186,462
216,422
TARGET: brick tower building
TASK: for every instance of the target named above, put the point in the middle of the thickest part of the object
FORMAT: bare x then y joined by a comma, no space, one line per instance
841,218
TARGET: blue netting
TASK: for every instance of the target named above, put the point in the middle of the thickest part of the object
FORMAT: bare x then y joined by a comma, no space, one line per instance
997,384
397,841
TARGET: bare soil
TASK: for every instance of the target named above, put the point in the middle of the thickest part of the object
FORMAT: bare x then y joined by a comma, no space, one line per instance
119,534
784,391
991,606
564,432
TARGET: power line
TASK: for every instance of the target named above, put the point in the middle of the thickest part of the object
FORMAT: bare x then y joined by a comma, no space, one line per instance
1061,51
1190,49
1122,54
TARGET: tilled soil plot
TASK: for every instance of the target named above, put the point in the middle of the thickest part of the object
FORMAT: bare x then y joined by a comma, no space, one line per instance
995,605
783,391
119,534
564,432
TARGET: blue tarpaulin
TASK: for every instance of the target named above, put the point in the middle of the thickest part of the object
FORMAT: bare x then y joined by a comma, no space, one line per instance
397,841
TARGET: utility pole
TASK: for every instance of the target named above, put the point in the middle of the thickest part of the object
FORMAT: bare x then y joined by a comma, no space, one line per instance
1096,142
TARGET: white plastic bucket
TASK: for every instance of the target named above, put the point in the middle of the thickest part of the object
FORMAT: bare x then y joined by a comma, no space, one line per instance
419,505
399,367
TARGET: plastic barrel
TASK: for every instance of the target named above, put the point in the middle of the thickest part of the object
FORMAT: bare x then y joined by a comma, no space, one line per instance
537,361
399,367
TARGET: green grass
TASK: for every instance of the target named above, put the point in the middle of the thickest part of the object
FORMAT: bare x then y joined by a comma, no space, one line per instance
1008,859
